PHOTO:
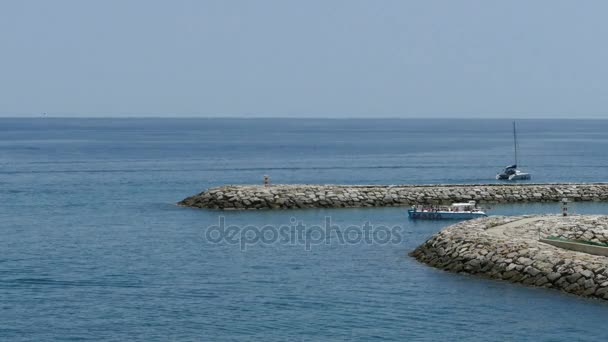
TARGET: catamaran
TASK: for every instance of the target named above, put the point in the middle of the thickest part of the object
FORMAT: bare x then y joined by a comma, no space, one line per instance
511,172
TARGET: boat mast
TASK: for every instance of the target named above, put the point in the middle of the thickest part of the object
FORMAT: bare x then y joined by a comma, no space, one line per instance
515,142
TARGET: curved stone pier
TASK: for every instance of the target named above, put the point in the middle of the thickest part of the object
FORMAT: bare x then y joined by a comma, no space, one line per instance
349,196
508,248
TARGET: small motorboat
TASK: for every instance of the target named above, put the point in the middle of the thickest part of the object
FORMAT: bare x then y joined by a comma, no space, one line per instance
457,211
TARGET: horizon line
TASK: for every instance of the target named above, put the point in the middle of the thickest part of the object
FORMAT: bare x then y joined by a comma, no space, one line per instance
29,116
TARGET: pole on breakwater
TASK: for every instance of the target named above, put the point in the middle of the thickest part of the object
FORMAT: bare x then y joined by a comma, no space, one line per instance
564,206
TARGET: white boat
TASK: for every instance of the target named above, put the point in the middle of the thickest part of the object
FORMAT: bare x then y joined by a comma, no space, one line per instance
518,175
457,211
511,172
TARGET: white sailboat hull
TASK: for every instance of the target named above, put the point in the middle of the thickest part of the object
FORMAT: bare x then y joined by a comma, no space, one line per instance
520,176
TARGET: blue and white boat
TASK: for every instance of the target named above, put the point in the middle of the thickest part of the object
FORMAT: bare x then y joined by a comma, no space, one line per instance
457,211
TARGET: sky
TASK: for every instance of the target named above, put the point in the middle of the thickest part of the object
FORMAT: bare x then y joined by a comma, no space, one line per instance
304,58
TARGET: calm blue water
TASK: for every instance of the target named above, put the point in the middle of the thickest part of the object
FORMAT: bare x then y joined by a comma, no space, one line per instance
93,247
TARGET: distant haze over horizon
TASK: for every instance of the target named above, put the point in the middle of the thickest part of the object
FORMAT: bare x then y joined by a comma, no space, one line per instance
278,117
305,59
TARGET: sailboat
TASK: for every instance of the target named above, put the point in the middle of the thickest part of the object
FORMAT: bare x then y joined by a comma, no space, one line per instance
511,172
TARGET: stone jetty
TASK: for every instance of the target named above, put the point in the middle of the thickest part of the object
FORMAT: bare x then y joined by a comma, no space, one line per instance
350,196
509,248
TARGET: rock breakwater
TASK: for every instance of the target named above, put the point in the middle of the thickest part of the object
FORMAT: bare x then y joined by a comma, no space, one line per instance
508,248
345,196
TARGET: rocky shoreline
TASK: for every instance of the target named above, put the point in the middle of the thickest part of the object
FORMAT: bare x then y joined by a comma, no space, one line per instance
508,248
239,197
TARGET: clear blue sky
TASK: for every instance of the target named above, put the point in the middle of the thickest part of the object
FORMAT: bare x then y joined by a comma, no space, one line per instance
304,58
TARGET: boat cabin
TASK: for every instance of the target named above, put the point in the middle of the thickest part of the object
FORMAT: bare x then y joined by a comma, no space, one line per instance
469,206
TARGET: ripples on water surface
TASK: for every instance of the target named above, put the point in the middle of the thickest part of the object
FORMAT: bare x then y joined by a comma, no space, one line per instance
93,247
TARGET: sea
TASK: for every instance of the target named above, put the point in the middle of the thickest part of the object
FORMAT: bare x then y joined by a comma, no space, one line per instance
94,248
